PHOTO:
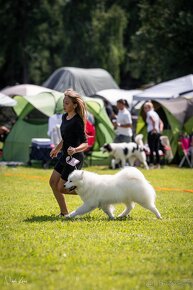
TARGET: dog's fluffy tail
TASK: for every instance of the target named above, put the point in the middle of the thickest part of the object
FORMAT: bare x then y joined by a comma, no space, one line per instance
139,139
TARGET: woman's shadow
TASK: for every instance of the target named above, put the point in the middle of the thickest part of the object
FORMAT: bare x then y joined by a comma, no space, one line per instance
42,218
52,218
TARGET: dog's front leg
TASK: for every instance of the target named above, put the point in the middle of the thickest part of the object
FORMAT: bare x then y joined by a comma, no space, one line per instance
108,209
123,163
131,160
85,208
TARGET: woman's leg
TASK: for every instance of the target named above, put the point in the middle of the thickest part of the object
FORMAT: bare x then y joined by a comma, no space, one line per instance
151,143
157,145
56,184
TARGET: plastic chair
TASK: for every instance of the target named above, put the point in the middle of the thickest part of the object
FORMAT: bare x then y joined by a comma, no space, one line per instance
185,145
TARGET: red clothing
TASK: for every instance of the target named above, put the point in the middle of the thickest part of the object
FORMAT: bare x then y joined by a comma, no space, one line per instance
91,133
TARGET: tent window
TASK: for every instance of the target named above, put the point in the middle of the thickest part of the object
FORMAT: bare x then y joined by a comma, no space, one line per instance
36,117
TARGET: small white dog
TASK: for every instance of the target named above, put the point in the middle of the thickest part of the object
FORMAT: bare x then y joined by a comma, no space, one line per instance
101,191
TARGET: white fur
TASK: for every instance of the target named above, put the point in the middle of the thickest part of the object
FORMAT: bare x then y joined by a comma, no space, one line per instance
101,191
135,151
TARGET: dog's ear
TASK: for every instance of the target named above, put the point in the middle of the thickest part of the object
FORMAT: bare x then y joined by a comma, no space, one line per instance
81,173
108,147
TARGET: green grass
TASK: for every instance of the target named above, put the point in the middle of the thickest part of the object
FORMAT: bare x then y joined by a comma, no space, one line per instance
40,251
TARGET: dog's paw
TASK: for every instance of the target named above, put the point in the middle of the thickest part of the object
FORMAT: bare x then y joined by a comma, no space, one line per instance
111,218
122,217
68,217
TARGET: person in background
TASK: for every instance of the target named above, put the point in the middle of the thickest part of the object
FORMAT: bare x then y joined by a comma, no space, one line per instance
91,134
7,120
123,123
154,130
54,123
90,118
73,143
3,132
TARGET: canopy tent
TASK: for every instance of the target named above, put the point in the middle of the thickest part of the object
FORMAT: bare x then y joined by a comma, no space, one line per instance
24,90
85,81
113,95
177,116
32,122
168,90
6,101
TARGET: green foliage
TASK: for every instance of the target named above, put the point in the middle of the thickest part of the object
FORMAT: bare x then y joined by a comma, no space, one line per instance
143,40
95,36
41,251
162,46
107,29
31,40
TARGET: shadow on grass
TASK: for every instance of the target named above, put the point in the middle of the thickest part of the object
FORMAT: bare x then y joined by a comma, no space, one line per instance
52,218
42,218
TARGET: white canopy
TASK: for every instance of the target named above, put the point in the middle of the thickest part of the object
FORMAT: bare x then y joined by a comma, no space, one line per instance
24,90
6,101
168,90
113,95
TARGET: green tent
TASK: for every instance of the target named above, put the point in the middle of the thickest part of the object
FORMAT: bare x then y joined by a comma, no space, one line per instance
177,116
188,121
32,122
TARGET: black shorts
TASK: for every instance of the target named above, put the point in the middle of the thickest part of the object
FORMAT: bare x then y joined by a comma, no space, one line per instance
65,169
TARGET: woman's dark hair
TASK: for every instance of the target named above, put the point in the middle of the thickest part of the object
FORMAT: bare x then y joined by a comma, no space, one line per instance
123,102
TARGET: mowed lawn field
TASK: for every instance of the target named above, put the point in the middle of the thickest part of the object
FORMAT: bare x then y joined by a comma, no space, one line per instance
41,251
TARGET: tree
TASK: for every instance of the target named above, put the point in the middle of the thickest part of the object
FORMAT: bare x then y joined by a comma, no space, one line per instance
15,27
31,34
94,35
107,39
162,46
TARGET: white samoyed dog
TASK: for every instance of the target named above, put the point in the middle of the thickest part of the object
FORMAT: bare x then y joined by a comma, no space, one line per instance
102,191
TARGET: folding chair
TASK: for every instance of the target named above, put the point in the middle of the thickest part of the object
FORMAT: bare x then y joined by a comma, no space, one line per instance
166,147
185,145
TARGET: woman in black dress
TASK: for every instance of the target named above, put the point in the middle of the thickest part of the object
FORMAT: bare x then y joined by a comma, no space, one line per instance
73,143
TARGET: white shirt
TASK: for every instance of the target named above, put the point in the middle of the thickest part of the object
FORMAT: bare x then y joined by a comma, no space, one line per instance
152,114
54,123
123,118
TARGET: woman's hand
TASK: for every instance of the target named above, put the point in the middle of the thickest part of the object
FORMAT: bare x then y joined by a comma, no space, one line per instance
71,150
54,152
154,131
115,124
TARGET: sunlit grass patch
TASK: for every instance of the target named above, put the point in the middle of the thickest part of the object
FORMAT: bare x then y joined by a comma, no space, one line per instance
41,251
